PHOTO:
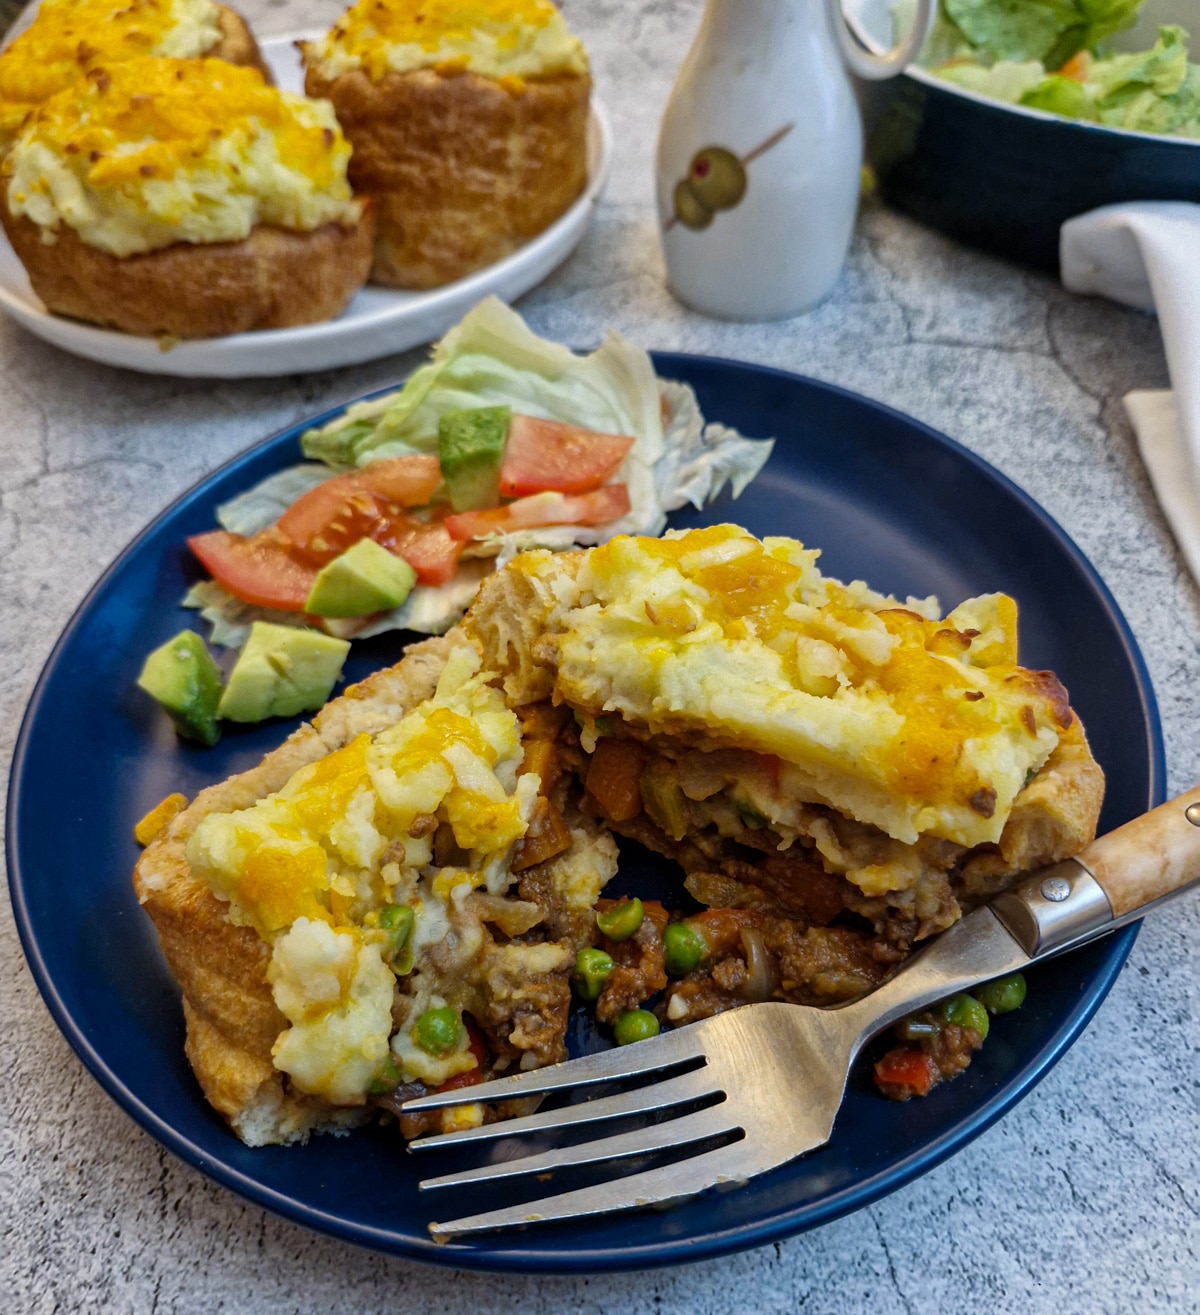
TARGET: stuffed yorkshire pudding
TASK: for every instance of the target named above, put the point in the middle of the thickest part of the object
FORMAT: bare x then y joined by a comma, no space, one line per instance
468,120
394,900
70,36
186,197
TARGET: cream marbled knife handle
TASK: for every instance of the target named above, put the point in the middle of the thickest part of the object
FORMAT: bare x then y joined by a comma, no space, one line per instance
1115,880
1149,858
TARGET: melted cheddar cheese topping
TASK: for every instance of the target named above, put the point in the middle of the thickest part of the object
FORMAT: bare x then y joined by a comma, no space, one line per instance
152,151
314,866
883,711
496,38
70,36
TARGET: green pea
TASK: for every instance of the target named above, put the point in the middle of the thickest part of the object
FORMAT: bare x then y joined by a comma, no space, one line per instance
683,948
635,1025
622,920
385,1080
592,969
1003,995
966,1011
438,1031
397,920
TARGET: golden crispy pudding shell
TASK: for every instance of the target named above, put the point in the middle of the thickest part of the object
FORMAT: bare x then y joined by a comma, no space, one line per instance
237,44
463,168
272,279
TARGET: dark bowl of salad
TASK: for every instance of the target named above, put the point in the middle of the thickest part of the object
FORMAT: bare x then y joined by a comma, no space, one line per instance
1021,114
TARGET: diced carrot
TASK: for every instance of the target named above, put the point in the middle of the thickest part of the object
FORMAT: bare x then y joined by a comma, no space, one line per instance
541,756
612,778
1076,68
908,1068
546,837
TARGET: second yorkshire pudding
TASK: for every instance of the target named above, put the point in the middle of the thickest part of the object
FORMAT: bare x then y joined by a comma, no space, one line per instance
468,122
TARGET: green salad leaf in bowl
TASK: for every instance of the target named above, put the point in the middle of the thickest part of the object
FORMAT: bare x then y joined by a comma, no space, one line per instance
1055,56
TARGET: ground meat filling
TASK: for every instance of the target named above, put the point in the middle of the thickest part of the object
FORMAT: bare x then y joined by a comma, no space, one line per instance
916,1067
639,971
824,940
775,922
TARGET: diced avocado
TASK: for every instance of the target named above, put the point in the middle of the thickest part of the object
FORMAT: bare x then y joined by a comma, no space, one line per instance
282,671
182,676
366,578
470,450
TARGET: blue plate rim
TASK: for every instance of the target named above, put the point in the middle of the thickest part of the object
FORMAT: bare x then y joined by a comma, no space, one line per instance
656,1255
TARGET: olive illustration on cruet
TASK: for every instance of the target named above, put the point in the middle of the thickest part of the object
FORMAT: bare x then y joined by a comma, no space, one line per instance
716,180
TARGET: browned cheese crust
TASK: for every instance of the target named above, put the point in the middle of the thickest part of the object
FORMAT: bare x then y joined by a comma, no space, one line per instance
272,279
464,169
232,1021
237,44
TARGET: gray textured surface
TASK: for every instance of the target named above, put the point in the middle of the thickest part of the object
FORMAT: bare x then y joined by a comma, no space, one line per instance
1085,1199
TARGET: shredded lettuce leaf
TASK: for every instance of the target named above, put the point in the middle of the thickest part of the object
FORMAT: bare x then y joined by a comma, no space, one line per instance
1017,30
493,358
1059,95
1051,31
1005,81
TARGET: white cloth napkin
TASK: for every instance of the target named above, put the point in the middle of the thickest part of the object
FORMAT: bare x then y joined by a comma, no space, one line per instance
1147,255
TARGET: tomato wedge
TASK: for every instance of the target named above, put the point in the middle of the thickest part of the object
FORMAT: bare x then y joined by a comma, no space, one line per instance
336,514
427,548
544,454
596,508
406,481
258,569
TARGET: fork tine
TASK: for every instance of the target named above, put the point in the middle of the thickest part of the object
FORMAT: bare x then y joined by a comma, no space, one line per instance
732,1164
712,1122
698,1083
620,1062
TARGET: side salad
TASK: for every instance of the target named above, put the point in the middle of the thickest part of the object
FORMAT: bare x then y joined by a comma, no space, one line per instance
503,442
1055,55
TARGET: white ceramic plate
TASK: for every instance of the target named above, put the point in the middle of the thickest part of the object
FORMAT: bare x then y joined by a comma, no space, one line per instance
378,322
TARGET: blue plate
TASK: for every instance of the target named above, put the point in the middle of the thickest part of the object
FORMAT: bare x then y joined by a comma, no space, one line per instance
888,499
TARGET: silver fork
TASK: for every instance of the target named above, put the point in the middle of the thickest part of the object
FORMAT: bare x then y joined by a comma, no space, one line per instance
748,1090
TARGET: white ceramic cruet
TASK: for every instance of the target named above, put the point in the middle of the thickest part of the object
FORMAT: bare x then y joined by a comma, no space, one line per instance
760,155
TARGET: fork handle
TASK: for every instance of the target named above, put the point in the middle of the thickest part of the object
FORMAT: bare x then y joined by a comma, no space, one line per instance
1114,880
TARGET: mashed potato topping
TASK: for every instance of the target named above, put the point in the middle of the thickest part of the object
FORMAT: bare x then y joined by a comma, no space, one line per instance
314,867
150,152
496,38
918,726
70,36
